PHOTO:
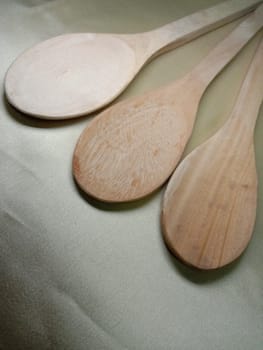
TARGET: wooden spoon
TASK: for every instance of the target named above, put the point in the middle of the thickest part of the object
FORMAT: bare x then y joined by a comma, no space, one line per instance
75,74
209,206
131,149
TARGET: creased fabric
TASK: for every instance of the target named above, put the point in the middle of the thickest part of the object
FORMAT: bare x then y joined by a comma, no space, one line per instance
77,274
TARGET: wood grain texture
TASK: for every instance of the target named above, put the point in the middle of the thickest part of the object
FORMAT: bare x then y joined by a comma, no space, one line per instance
75,74
209,206
130,150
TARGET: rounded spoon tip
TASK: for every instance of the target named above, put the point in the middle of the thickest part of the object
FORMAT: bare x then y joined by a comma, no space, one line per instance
68,76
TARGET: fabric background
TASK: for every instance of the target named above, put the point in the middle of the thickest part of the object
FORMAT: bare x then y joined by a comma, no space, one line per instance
76,274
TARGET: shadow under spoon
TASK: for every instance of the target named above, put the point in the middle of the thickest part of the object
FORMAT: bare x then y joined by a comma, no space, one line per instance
209,205
131,149
75,74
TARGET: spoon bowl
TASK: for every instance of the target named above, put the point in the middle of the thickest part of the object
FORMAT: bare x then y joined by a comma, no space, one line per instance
78,83
130,149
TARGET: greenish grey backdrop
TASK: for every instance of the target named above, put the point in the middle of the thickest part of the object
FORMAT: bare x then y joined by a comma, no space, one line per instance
78,275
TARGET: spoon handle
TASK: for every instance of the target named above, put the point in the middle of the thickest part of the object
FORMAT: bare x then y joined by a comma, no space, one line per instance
250,97
190,27
215,61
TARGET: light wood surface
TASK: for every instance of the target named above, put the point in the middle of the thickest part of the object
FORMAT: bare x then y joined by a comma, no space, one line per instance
129,150
75,74
209,206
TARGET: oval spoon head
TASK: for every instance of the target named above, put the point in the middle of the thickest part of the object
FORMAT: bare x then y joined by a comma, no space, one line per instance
129,150
209,205
70,75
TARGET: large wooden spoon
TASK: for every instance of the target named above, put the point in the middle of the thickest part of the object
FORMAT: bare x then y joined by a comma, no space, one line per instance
75,74
209,206
131,149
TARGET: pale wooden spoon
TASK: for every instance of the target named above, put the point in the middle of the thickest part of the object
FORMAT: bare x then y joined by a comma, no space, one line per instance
209,206
131,149
75,74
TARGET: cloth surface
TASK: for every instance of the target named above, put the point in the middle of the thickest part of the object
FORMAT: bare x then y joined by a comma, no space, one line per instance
77,274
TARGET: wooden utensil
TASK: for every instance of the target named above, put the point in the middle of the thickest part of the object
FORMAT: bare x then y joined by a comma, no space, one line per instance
209,206
75,74
131,149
